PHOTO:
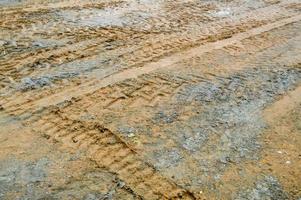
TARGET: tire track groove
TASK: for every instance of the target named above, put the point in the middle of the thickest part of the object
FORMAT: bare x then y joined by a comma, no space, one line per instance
109,151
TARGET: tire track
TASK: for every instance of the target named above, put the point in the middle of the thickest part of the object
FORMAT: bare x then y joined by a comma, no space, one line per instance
164,63
108,151
158,49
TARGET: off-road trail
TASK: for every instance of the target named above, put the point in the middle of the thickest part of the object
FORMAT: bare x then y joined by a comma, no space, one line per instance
150,99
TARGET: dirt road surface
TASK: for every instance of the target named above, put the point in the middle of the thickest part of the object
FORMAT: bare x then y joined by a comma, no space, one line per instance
150,99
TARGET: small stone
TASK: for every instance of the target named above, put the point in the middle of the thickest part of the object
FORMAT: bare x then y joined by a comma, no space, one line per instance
131,135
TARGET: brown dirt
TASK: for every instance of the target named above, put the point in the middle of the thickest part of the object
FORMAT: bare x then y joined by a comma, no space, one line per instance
150,99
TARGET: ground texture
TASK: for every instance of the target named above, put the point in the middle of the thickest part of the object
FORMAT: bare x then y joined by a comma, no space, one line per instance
150,99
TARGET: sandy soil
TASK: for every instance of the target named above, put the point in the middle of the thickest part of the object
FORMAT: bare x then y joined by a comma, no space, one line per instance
145,99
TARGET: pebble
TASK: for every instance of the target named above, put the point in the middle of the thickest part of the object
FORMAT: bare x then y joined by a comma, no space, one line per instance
131,135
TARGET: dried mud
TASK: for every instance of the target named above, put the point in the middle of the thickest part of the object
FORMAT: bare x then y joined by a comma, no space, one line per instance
150,99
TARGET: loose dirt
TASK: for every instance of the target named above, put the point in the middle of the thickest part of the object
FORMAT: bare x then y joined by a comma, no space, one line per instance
143,99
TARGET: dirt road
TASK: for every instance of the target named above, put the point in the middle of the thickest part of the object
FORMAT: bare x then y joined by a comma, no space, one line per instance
145,99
